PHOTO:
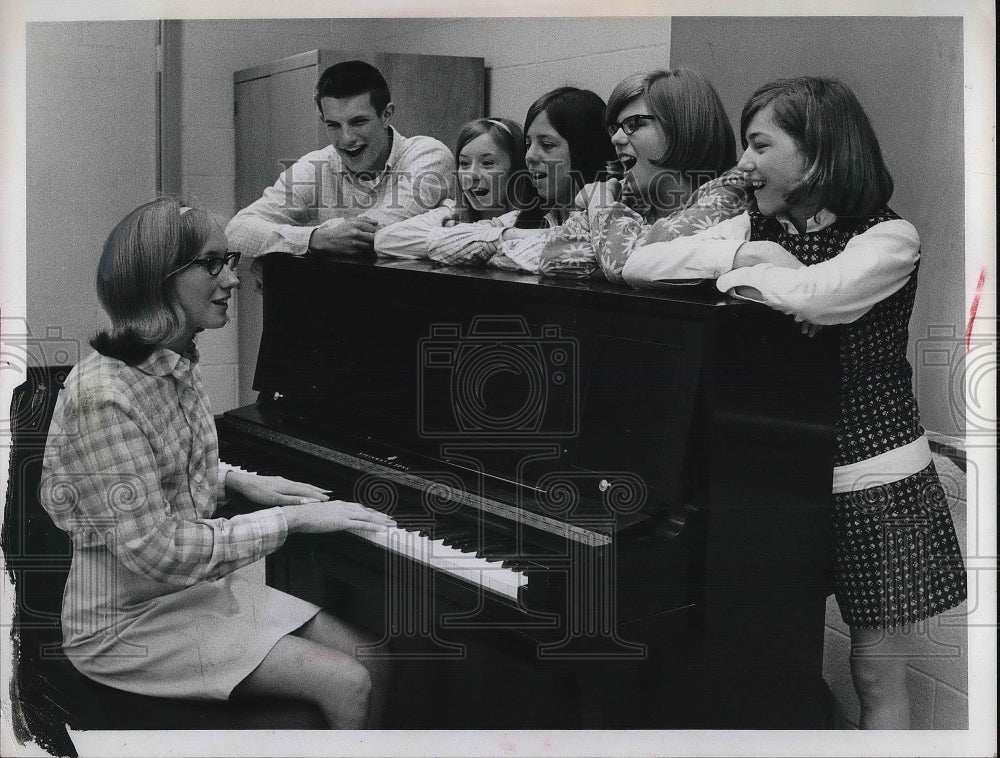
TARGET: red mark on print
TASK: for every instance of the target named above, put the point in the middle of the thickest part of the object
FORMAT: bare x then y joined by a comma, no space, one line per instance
975,307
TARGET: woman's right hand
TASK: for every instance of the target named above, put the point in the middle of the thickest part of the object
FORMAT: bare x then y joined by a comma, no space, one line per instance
334,516
459,215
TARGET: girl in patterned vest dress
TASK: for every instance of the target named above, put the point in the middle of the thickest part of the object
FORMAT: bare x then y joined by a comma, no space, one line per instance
819,243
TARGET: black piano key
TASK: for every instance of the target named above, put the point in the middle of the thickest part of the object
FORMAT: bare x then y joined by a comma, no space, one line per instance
467,545
495,552
450,531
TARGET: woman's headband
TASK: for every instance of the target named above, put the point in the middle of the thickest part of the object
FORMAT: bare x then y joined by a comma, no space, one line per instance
501,124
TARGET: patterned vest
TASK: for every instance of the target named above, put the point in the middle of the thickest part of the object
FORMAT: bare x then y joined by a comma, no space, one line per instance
878,411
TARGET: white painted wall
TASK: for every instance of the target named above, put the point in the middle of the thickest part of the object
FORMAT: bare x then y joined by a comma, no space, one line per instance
526,57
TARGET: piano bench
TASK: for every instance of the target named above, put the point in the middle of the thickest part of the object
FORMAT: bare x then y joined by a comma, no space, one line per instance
51,695
47,692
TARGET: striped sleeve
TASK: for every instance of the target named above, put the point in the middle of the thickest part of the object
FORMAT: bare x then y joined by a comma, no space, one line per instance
465,243
410,238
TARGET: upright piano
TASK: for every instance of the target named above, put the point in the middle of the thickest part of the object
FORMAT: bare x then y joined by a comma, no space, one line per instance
612,506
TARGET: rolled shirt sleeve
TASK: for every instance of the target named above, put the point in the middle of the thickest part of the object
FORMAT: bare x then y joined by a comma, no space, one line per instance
285,216
425,236
410,238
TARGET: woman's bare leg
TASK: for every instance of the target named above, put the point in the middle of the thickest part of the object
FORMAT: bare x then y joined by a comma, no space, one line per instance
327,630
300,668
878,667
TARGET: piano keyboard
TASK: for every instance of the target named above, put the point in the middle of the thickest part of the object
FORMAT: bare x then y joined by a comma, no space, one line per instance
469,565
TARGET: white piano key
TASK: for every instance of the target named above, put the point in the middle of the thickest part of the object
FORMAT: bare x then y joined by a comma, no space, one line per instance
434,553
488,574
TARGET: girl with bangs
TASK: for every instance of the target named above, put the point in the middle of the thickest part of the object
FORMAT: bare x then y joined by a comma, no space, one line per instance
493,187
674,142
504,211
820,243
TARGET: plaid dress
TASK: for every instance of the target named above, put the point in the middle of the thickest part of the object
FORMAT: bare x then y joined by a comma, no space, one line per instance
161,598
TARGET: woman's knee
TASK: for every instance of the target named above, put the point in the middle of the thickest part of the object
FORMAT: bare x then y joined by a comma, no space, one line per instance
329,631
878,662
356,679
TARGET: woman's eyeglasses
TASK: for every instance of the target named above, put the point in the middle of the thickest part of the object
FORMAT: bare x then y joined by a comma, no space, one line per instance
629,124
213,265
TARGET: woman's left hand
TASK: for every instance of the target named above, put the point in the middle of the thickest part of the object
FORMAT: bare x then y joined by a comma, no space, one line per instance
272,490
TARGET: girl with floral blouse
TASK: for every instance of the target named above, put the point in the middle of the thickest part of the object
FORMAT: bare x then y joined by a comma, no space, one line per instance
675,143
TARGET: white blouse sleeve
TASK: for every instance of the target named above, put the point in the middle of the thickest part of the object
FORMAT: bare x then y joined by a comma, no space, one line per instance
705,255
872,266
410,238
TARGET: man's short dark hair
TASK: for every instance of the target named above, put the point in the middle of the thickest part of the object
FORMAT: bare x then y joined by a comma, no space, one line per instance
351,78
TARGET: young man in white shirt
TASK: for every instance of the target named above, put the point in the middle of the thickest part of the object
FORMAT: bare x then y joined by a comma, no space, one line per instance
333,200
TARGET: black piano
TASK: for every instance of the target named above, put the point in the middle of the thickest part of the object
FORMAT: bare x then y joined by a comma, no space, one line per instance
612,505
